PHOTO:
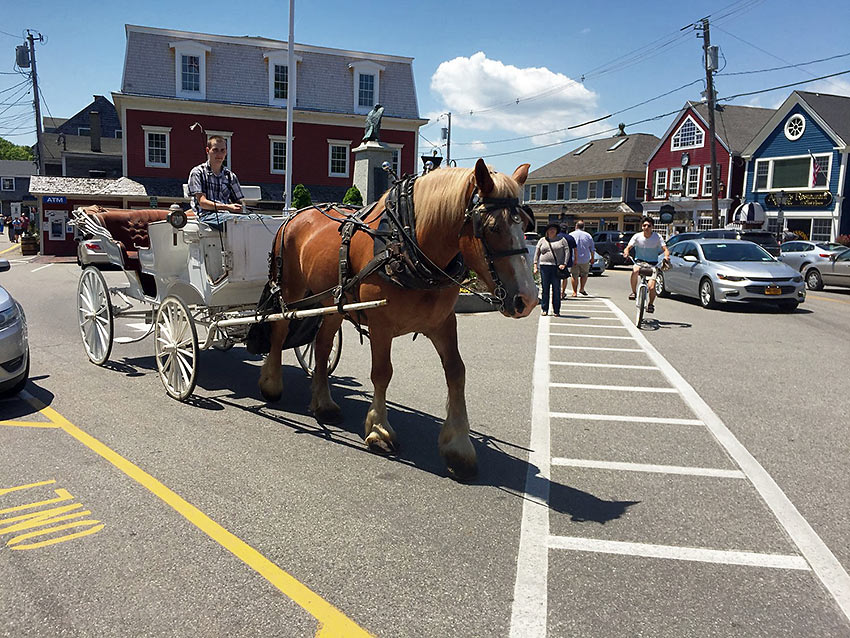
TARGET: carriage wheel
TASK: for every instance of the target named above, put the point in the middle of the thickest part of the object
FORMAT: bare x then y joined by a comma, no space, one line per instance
176,348
306,355
94,312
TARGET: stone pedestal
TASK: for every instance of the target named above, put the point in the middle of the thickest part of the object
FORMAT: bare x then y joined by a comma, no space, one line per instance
369,178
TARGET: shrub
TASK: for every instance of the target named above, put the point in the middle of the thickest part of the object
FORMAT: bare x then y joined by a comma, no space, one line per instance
353,197
301,197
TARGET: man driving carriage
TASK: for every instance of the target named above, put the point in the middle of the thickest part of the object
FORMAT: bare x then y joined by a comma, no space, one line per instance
214,188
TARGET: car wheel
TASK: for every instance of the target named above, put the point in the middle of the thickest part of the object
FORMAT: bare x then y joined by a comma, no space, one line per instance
706,294
813,280
609,263
789,306
661,286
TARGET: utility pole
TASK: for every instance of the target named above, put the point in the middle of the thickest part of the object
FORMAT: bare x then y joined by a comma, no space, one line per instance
38,144
448,137
710,62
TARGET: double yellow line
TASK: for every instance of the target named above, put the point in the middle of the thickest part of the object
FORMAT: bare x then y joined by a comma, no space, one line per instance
332,623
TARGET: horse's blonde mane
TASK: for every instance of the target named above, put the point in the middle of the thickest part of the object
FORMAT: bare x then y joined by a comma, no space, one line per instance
442,195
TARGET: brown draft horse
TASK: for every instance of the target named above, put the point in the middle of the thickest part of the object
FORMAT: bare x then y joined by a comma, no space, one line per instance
310,251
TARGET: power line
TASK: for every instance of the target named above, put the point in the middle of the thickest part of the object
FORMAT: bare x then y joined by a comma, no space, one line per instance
784,86
787,66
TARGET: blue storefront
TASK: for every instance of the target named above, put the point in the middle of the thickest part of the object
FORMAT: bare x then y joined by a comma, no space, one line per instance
797,166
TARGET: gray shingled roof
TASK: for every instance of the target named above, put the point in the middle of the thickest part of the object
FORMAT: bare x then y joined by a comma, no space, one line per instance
736,125
54,146
629,157
834,109
123,186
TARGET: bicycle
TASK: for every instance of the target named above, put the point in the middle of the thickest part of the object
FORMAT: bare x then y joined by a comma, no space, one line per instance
645,273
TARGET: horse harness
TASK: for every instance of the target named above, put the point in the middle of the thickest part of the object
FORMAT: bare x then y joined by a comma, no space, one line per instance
397,255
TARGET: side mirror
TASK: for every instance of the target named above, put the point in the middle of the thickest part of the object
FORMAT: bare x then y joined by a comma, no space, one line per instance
691,258
5,265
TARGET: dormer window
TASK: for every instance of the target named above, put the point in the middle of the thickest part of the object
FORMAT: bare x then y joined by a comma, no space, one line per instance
689,135
190,69
281,81
367,85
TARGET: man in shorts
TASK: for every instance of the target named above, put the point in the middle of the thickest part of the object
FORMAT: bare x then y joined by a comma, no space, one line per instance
648,246
585,249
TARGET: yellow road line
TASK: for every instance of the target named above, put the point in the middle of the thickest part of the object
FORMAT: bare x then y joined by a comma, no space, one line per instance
11,248
332,622
29,424
810,296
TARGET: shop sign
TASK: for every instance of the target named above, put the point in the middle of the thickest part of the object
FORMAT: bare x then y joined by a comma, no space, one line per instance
56,199
819,199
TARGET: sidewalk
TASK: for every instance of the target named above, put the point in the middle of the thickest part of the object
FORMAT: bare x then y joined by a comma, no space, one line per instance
8,250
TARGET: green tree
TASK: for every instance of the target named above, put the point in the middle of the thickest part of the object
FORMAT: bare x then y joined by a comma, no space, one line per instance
353,196
301,197
9,151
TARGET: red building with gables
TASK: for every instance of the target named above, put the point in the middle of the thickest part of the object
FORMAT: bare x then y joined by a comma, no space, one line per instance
678,172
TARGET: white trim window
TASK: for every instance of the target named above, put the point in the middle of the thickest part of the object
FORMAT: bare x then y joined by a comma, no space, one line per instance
660,189
84,131
676,179
592,187
227,135
544,192
821,230
157,146
794,172
561,192
395,161
7,183
532,193
693,181
277,154
367,85
640,190
706,179
573,191
190,69
281,83
608,189
689,135
338,158
762,175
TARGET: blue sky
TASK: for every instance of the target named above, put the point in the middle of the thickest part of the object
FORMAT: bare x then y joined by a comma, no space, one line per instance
565,62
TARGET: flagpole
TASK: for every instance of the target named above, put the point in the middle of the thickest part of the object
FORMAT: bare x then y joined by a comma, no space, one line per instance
291,75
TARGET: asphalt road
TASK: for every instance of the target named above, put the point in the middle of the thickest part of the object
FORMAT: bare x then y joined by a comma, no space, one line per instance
185,502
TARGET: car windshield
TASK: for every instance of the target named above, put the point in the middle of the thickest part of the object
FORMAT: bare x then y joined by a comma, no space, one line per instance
735,252
765,239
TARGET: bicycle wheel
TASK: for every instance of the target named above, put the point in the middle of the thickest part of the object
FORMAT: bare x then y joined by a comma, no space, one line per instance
640,304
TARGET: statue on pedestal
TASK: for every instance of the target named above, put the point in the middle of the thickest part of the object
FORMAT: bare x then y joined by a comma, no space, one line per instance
373,124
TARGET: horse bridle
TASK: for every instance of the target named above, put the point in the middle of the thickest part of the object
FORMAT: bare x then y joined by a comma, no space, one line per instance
477,209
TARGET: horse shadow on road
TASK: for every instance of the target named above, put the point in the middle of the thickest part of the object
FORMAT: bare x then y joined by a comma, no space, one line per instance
501,464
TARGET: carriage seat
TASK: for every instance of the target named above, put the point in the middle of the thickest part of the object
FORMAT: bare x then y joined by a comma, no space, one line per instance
129,229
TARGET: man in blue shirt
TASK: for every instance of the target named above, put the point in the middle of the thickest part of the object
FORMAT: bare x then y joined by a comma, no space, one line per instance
585,249
214,188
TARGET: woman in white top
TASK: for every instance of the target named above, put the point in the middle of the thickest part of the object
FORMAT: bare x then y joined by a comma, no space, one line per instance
551,258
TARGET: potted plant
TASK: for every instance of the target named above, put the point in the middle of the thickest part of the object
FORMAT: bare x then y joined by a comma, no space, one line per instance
29,242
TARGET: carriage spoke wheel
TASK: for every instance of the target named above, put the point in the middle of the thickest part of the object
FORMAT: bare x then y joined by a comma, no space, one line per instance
176,348
306,355
94,312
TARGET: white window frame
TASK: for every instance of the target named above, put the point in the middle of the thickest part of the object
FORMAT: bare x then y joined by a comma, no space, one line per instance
676,184
396,148
562,190
769,165
692,187
659,184
573,191
827,235
190,47
80,130
706,180
640,190
272,140
3,182
770,162
365,67
532,193
165,130
281,58
544,192
595,185
608,181
228,139
347,145
699,138
789,134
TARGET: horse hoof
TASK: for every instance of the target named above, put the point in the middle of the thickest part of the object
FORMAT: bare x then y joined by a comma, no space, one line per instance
270,398
328,416
379,445
462,469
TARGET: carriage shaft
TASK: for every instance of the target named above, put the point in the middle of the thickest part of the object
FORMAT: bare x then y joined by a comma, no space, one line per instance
300,314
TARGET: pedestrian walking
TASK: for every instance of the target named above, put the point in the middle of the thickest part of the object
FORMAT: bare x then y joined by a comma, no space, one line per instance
562,233
585,250
16,230
552,258
25,223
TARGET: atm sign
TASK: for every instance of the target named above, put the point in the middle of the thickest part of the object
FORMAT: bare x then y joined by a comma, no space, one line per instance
56,199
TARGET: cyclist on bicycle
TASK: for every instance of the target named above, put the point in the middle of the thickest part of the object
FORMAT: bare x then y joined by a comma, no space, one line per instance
648,246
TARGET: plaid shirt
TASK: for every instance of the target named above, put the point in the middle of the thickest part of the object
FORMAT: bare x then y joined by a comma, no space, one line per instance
223,188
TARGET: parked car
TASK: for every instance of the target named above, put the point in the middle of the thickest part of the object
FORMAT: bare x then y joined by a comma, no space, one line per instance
761,237
597,267
675,239
800,254
730,271
14,346
610,244
835,271
90,252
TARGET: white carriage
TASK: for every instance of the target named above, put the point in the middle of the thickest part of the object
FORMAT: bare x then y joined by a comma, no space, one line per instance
194,286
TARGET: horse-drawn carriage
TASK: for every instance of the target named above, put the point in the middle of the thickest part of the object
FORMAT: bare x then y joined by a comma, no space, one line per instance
195,288
408,252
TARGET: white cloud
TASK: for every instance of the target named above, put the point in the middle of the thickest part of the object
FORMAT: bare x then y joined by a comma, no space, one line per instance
552,100
833,86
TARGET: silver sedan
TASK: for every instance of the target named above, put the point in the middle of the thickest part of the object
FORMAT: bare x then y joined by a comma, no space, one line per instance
14,347
730,271
801,254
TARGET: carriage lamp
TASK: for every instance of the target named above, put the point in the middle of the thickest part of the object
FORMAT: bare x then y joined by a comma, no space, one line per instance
177,217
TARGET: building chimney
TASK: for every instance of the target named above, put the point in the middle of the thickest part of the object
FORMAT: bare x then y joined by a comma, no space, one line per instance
94,127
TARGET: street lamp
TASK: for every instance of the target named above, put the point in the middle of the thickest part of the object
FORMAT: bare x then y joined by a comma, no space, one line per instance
780,216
